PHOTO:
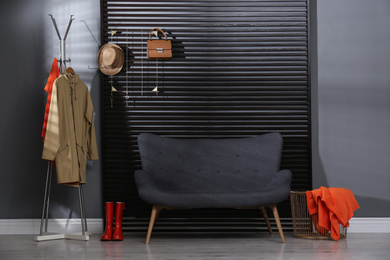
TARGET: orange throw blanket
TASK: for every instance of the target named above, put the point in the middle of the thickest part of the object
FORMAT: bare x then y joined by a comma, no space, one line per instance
329,207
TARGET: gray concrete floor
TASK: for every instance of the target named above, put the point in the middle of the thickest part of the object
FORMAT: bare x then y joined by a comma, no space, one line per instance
195,246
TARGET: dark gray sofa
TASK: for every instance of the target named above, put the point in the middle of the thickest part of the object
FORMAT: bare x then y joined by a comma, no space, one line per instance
212,173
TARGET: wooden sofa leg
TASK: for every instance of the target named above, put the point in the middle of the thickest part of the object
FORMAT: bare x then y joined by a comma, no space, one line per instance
155,212
277,219
266,220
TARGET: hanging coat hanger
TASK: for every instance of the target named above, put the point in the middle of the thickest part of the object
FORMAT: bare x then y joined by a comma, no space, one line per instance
70,70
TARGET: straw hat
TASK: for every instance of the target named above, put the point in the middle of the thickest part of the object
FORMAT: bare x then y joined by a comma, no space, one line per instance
110,59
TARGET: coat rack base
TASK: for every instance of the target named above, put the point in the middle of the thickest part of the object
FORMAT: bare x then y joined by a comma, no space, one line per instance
44,235
53,236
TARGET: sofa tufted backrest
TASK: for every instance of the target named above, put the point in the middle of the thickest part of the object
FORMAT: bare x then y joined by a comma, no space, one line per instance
211,165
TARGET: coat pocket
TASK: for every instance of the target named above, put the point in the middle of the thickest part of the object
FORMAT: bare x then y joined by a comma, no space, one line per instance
63,148
64,161
82,157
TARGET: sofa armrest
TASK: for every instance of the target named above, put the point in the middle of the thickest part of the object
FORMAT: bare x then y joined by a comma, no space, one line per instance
281,178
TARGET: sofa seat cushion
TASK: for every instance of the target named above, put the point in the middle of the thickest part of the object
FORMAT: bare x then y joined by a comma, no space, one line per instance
276,191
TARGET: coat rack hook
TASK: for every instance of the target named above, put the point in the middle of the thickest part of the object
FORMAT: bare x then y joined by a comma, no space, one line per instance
55,26
62,59
69,23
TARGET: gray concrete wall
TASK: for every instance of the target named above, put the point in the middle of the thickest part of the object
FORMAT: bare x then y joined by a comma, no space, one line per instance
28,46
351,114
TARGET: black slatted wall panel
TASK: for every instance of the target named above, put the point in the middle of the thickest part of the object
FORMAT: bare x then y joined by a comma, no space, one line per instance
239,68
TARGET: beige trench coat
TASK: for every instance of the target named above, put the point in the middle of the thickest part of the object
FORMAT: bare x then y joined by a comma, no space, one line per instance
70,136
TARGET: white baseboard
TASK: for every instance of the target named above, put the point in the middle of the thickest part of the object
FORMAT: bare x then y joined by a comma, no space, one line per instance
369,225
32,226
95,226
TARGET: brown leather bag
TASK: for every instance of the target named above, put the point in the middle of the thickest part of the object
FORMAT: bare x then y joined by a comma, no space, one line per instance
159,49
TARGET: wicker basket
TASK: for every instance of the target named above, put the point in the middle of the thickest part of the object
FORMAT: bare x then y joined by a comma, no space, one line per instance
303,222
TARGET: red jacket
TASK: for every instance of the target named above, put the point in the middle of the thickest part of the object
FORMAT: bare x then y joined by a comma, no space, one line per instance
54,74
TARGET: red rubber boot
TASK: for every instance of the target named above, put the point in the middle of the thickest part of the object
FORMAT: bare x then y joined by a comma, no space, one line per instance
118,234
107,236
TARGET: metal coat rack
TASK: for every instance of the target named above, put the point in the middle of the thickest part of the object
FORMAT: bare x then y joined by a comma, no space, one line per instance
44,235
